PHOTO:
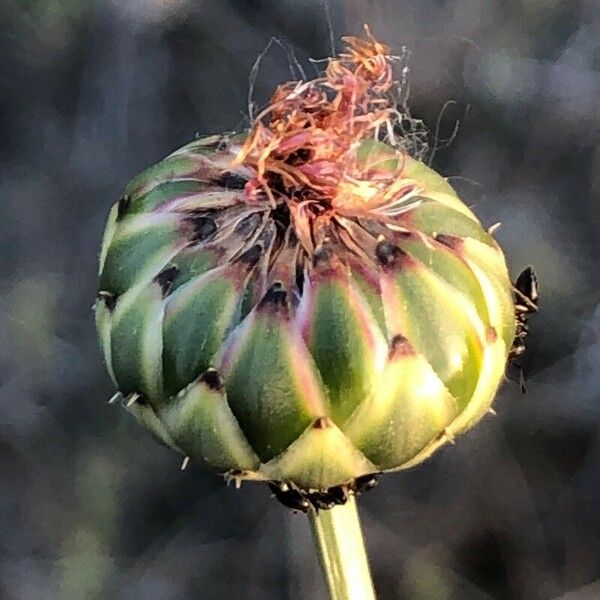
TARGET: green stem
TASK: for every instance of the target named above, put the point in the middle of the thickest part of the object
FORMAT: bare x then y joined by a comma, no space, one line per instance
342,554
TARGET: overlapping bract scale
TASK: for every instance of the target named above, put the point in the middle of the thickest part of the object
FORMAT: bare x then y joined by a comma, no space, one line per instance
254,355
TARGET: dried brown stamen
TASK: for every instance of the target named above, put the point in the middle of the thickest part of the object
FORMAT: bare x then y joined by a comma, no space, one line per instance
303,146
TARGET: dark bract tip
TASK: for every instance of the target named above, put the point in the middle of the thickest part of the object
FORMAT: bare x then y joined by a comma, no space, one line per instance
231,181
491,335
281,215
299,278
248,225
122,207
364,483
322,423
328,262
165,279
323,255
451,241
405,235
202,227
109,299
400,346
275,296
387,254
252,255
212,379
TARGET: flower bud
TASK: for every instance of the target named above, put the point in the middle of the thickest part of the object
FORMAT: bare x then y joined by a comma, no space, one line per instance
305,303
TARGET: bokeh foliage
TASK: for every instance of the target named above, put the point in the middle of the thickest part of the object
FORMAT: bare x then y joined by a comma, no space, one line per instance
90,93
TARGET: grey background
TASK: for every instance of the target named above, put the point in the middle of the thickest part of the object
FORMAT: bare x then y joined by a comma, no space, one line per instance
90,507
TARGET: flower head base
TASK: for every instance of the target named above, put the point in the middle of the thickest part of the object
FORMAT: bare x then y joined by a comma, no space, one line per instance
308,305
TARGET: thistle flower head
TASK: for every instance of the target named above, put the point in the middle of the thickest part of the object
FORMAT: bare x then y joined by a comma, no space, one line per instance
305,303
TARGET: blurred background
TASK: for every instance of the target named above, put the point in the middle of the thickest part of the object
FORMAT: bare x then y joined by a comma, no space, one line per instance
90,506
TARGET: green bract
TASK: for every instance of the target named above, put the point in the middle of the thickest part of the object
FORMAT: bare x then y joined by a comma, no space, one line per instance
260,357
